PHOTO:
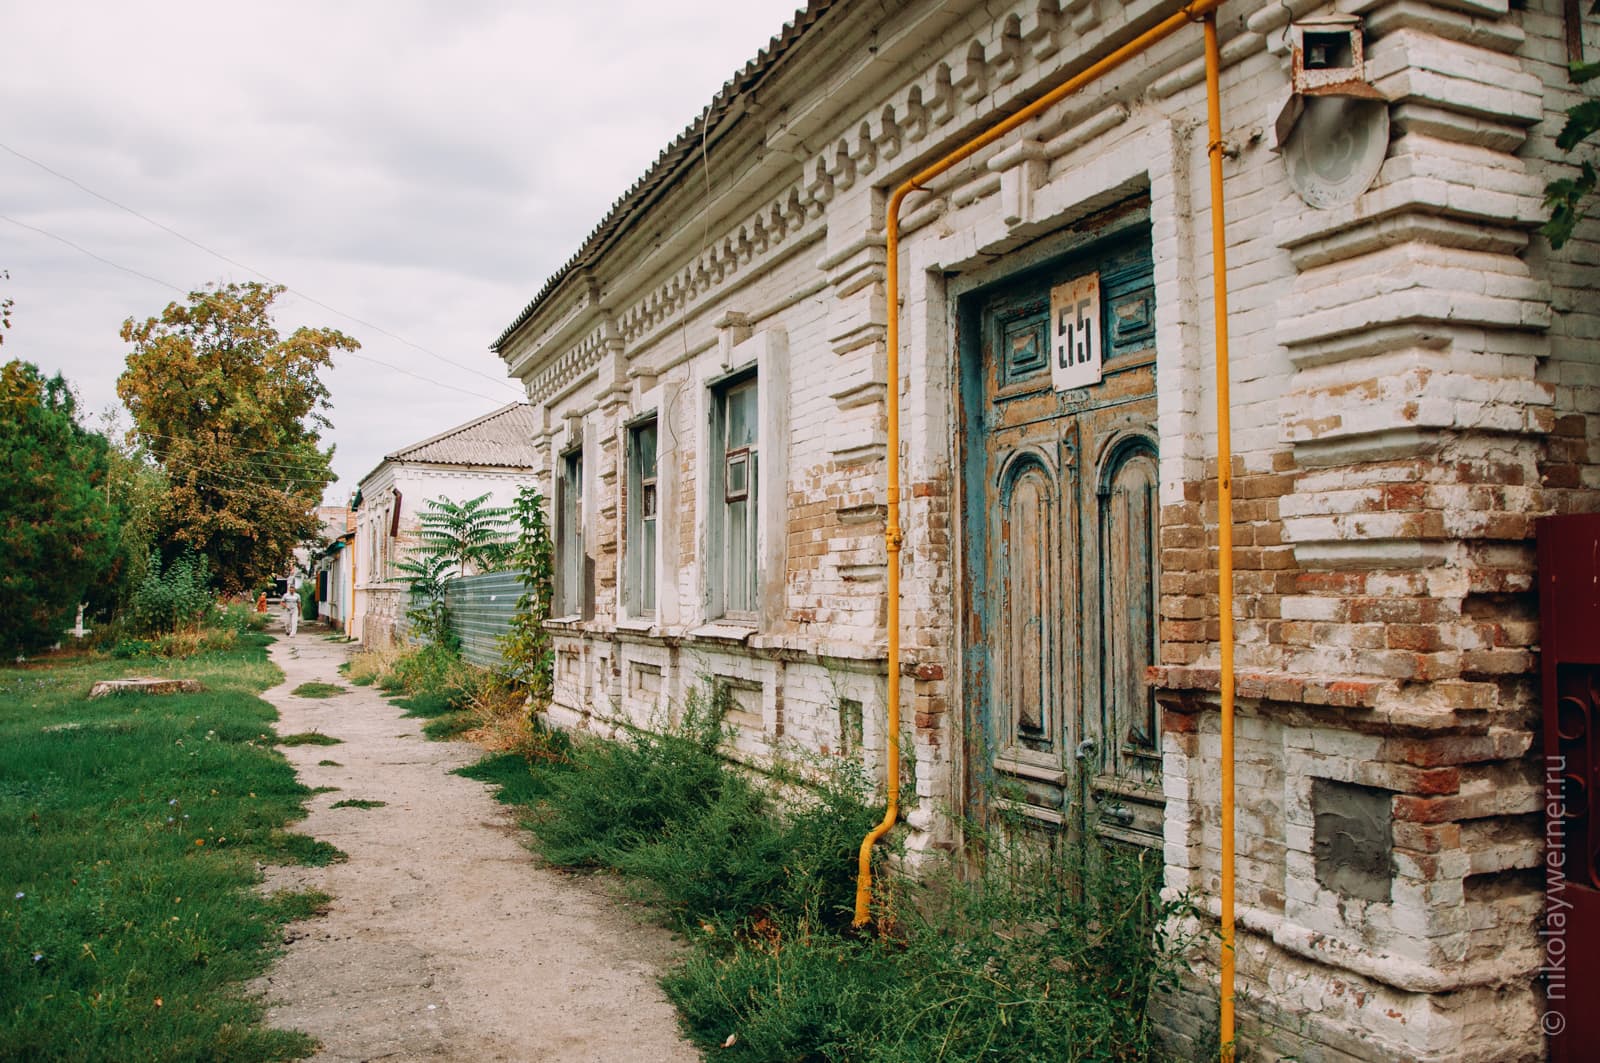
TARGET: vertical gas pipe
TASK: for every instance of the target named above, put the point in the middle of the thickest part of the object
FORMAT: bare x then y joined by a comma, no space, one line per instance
1219,310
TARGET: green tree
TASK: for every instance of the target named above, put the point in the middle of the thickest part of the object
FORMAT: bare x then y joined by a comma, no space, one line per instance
59,531
1564,197
455,538
135,487
529,655
471,535
425,576
233,413
5,310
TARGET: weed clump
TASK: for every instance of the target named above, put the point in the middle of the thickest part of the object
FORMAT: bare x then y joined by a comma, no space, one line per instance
700,837
309,738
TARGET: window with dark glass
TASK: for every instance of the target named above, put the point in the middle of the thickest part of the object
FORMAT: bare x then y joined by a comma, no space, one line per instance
639,590
569,534
736,476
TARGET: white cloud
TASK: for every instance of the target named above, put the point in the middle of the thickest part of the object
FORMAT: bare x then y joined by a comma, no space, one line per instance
421,165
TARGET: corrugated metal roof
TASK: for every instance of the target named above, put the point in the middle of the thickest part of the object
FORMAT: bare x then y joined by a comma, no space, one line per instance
684,149
504,438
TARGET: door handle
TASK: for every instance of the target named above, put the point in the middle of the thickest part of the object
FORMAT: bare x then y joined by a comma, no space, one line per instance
1086,749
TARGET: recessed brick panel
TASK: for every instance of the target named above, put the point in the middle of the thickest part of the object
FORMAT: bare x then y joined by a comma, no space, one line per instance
1353,841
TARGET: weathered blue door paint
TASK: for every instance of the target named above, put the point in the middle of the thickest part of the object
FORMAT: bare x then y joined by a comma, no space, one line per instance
1061,511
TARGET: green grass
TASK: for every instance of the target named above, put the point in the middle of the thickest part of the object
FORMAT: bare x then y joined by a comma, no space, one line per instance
329,764
443,711
132,830
428,705
317,690
517,782
309,738
363,680
291,906
442,728
358,802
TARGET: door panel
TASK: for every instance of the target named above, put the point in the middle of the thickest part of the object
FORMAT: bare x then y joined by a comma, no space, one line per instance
1029,632
1060,530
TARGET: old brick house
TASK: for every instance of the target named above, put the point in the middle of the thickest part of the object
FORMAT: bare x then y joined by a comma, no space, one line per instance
1415,378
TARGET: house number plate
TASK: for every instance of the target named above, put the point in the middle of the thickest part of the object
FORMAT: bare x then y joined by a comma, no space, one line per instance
1075,341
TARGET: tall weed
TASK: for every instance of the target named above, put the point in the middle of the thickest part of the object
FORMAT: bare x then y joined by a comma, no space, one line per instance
704,839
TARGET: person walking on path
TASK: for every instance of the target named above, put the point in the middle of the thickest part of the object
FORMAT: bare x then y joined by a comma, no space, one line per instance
291,603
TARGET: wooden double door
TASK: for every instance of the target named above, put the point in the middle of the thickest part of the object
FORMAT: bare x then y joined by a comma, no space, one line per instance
1061,513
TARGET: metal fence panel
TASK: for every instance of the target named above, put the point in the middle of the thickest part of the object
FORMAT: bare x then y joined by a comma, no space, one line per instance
481,608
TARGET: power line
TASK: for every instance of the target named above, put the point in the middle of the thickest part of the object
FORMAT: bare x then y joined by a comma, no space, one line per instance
166,284
198,472
91,254
232,460
251,269
231,446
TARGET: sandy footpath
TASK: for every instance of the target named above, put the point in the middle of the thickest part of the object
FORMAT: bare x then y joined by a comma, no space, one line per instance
446,939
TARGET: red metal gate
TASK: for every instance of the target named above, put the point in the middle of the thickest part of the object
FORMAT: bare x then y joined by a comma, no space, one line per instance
1569,616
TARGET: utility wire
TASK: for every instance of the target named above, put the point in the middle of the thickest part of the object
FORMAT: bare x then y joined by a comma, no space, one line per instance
251,269
91,254
231,446
253,463
167,284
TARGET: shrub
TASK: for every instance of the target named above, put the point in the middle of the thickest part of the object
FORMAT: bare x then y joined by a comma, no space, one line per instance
709,842
530,657
231,616
180,643
431,669
165,600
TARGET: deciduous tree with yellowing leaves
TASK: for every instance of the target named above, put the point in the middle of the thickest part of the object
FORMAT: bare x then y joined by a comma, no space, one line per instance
234,412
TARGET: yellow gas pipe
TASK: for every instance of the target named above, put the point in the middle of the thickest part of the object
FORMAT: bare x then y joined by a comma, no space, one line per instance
893,537
1219,287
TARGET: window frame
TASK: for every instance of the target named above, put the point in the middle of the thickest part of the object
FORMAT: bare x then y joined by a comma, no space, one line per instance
569,589
720,557
642,534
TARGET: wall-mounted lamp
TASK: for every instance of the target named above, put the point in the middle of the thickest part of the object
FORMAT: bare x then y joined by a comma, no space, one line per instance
1333,130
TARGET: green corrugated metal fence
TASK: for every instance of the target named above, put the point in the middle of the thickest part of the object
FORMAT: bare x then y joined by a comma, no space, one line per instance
480,612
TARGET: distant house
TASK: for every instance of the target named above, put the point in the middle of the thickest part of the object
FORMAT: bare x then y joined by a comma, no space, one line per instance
332,573
332,522
492,455
328,565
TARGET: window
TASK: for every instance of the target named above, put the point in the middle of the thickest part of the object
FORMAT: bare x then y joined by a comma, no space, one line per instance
735,476
569,534
640,587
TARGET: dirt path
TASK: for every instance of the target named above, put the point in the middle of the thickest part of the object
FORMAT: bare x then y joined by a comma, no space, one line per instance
446,939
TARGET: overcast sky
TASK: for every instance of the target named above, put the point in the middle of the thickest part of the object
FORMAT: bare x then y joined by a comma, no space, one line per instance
422,166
